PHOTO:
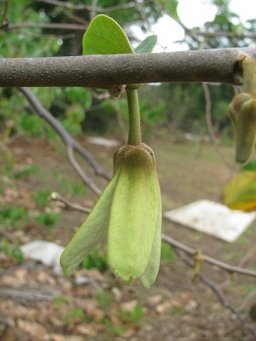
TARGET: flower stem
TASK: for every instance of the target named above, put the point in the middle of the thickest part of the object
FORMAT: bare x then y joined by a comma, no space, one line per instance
134,135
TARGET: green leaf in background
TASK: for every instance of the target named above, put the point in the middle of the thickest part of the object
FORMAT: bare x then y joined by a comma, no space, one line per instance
105,36
240,192
147,45
250,166
167,253
80,95
171,6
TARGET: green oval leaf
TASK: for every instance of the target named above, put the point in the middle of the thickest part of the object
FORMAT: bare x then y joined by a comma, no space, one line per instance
105,36
93,231
147,45
171,6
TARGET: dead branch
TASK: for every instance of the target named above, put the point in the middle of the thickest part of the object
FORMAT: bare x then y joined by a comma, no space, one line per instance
80,172
29,294
213,261
68,205
174,243
218,293
69,141
206,281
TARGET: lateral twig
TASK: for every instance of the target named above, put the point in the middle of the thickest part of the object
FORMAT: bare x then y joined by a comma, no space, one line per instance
71,144
213,261
218,293
173,242
68,205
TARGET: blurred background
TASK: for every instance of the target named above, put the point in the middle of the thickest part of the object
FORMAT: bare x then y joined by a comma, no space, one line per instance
188,127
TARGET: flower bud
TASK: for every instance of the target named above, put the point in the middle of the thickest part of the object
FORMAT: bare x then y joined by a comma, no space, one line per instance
242,112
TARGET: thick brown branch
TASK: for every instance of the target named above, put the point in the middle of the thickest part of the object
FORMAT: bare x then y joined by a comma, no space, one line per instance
214,65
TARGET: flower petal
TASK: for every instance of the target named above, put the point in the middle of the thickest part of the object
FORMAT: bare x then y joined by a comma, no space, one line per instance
149,276
91,232
134,212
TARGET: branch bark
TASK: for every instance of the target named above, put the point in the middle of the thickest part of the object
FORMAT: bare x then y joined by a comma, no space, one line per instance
212,65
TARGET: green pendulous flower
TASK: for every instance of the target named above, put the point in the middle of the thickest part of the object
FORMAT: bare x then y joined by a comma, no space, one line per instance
128,215
242,112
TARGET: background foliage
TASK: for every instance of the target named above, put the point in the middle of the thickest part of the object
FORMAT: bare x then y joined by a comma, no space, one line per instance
27,30
192,171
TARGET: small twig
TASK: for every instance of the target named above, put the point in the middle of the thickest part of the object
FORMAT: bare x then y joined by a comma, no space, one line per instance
246,257
224,266
75,18
206,281
93,10
218,293
68,205
80,172
187,31
176,244
5,13
225,34
28,295
248,298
